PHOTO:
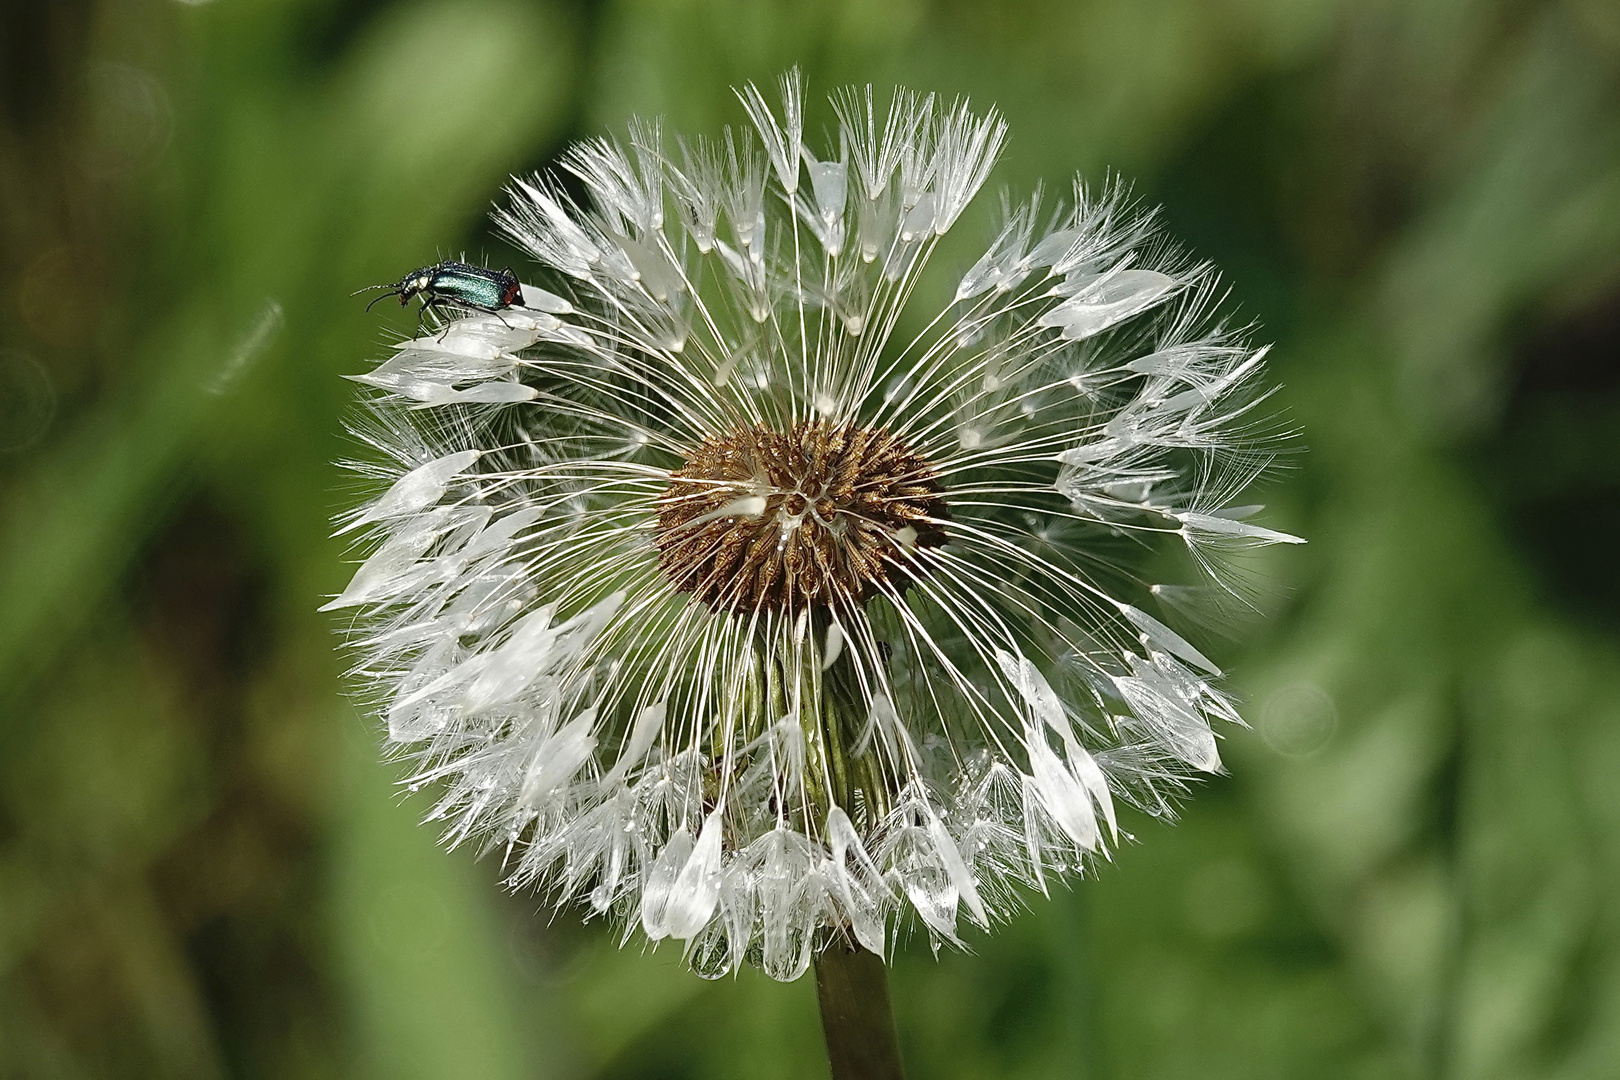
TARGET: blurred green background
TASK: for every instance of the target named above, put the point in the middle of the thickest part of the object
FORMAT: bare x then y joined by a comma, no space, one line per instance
1412,869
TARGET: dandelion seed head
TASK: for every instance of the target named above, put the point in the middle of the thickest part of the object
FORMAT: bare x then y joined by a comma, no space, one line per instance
733,588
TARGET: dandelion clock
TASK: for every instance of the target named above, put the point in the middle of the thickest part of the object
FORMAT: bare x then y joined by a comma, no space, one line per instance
751,582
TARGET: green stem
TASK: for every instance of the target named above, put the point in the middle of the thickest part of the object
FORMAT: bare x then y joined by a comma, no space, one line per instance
856,1015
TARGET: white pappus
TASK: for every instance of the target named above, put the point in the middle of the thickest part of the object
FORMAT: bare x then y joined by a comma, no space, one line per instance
723,586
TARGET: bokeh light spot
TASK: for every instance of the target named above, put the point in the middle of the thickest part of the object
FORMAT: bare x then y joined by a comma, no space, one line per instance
27,400
1299,719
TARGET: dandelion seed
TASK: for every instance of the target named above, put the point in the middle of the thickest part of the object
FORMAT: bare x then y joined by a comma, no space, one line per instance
727,587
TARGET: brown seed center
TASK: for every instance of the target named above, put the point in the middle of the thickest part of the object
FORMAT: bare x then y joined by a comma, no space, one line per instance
816,515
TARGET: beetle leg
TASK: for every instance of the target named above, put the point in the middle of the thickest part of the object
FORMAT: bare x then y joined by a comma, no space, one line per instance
495,311
447,324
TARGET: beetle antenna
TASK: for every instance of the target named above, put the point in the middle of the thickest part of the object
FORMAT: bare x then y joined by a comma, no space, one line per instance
368,288
384,296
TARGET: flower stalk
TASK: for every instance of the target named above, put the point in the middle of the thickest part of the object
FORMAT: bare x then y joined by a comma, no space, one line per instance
857,1017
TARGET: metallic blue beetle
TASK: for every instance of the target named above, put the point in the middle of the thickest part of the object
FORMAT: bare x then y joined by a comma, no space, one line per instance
458,283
